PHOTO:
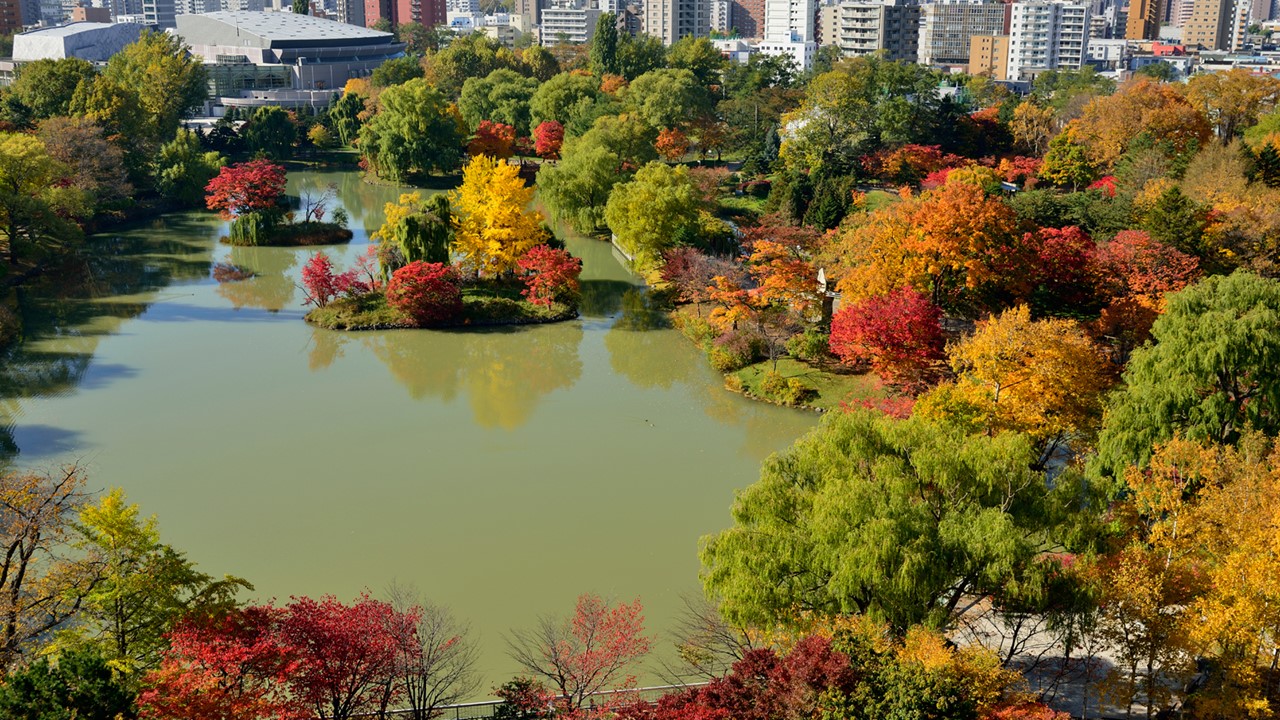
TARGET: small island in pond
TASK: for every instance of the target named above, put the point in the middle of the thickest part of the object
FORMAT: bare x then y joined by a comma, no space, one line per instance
252,196
476,257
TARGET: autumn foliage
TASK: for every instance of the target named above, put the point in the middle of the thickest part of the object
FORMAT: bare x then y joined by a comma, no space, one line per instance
322,284
671,144
898,334
551,275
428,293
317,658
254,186
593,650
494,139
548,137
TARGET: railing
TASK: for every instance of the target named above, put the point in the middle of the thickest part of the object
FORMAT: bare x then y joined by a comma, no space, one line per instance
487,709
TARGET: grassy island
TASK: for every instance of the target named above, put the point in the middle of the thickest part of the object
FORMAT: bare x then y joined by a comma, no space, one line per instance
483,304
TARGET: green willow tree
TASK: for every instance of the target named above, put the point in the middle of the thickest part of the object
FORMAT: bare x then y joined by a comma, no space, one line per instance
501,96
182,169
905,521
1212,372
648,213
414,133
345,116
578,187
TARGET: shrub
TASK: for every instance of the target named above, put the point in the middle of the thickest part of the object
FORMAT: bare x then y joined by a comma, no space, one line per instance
551,276
426,292
696,328
734,350
788,391
322,285
811,345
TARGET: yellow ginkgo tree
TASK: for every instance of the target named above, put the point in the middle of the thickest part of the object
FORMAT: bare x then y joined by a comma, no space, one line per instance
1044,378
493,226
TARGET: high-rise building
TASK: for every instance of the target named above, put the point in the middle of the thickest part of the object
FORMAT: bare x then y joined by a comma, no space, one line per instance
1047,35
866,27
1144,19
530,10
403,12
747,17
670,20
568,24
721,16
1216,24
161,13
946,27
989,55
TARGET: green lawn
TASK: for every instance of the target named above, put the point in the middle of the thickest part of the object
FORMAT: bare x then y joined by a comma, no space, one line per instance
832,388
877,199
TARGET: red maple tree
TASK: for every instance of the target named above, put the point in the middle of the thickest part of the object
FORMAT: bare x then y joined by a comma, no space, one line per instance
426,292
548,137
345,654
551,275
254,186
898,334
1064,265
230,668
494,139
591,651
1135,266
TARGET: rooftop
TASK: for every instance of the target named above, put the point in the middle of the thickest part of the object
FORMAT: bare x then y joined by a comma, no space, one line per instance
66,30
273,27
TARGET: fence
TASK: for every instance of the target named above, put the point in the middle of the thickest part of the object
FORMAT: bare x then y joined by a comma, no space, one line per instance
488,709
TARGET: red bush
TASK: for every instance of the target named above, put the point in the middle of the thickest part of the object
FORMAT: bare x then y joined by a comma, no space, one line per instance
322,285
426,292
550,275
899,334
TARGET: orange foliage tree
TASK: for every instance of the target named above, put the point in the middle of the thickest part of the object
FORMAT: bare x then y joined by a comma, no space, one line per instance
948,241
671,144
1140,107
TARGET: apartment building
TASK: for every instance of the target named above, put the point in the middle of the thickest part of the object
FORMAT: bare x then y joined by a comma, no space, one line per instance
1217,24
872,26
989,55
670,20
946,27
1047,36
568,24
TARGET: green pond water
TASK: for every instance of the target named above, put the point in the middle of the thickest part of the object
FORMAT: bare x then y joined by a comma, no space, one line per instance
502,472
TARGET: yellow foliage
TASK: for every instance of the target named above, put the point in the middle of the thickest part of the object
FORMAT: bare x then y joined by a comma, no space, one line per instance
1150,193
1041,377
394,213
492,226
358,86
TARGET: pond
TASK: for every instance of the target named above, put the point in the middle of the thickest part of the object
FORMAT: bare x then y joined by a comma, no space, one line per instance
502,472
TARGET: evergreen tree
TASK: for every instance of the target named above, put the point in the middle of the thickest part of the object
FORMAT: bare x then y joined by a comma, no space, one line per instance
301,7
604,46
1268,166
1178,221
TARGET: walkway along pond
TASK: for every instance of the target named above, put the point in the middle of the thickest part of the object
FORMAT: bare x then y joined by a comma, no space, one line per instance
503,471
